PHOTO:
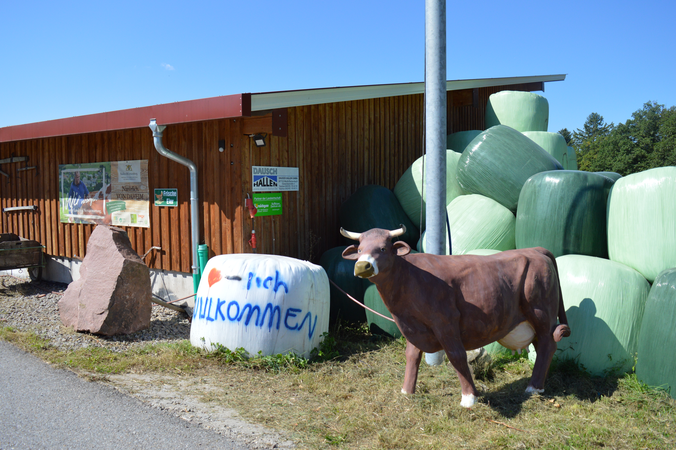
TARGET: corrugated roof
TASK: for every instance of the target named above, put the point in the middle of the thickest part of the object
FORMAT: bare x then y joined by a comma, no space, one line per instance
238,105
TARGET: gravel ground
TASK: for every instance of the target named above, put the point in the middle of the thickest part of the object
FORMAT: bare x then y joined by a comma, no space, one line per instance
33,306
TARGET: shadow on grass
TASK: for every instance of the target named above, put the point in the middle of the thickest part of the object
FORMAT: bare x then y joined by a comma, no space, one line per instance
354,339
565,379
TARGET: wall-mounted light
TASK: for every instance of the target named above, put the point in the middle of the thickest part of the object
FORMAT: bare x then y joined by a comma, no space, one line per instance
221,145
259,139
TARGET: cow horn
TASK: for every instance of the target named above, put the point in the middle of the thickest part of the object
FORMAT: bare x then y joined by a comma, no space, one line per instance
399,232
350,234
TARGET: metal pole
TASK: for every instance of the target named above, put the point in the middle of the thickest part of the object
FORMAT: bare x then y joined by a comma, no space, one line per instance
435,135
435,126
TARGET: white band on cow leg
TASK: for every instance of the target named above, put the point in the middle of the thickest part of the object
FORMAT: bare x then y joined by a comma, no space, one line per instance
531,390
404,392
468,400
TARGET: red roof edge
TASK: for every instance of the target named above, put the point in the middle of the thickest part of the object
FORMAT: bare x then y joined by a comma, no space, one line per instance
222,107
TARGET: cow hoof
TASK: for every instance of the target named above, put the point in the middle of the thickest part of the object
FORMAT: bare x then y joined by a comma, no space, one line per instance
468,400
404,392
532,390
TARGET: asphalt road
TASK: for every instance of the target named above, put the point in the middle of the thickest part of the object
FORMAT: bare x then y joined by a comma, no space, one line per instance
46,408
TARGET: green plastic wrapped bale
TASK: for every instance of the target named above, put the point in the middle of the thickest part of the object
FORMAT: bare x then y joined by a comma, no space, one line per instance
552,143
498,162
496,349
478,222
374,206
564,211
612,175
409,188
377,324
523,111
572,160
341,272
656,365
459,140
604,303
483,252
642,221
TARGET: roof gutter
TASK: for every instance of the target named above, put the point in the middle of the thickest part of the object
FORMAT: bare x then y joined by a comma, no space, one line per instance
194,211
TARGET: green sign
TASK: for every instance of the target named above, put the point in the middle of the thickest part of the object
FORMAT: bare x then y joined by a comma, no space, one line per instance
115,205
166,197
268,204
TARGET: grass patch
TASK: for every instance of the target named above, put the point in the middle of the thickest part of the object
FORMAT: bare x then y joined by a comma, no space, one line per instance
348,396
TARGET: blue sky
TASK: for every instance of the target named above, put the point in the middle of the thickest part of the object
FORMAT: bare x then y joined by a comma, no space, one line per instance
70,58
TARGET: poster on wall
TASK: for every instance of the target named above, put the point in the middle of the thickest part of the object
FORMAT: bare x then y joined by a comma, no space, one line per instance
111,193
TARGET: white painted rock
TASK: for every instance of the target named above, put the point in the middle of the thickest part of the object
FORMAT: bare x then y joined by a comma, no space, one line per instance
262,303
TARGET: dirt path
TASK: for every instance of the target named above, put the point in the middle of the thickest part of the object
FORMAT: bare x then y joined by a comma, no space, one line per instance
187,398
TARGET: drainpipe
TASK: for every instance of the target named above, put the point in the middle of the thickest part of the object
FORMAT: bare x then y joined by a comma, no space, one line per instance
194,211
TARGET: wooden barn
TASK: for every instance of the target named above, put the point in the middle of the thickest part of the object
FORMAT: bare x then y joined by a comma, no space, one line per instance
338,139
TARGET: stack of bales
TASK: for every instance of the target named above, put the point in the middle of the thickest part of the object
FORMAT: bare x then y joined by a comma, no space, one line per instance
642,235
514,185
410,188
611,235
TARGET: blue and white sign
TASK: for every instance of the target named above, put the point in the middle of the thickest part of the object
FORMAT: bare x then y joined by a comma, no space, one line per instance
274,179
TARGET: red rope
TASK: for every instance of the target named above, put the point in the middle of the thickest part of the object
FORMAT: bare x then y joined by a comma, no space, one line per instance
360,303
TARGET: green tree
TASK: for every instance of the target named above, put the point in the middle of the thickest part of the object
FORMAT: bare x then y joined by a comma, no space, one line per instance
567,135
665,149
645,141
586,141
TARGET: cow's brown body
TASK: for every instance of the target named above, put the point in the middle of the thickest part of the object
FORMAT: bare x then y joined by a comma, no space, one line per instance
460,303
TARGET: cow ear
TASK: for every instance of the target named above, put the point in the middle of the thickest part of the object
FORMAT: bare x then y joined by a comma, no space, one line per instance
351,253
402,248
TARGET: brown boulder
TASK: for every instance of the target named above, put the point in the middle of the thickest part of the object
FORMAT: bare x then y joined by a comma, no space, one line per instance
113,294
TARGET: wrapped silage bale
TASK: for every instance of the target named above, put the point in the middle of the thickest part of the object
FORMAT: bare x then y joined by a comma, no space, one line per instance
552,143
642,221
604,302
477,222
612,175
564,211
263,303
410,187
498,162
656,365
523,111
483,252
458,141
572,160
374,206
341,272
377,324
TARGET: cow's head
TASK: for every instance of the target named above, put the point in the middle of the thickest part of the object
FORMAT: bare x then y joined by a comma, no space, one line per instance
375,251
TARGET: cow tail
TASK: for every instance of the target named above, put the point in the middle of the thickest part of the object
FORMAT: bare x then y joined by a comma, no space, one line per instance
562,329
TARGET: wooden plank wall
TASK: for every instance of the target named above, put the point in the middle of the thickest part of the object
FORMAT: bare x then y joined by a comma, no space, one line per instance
219,174
338,148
